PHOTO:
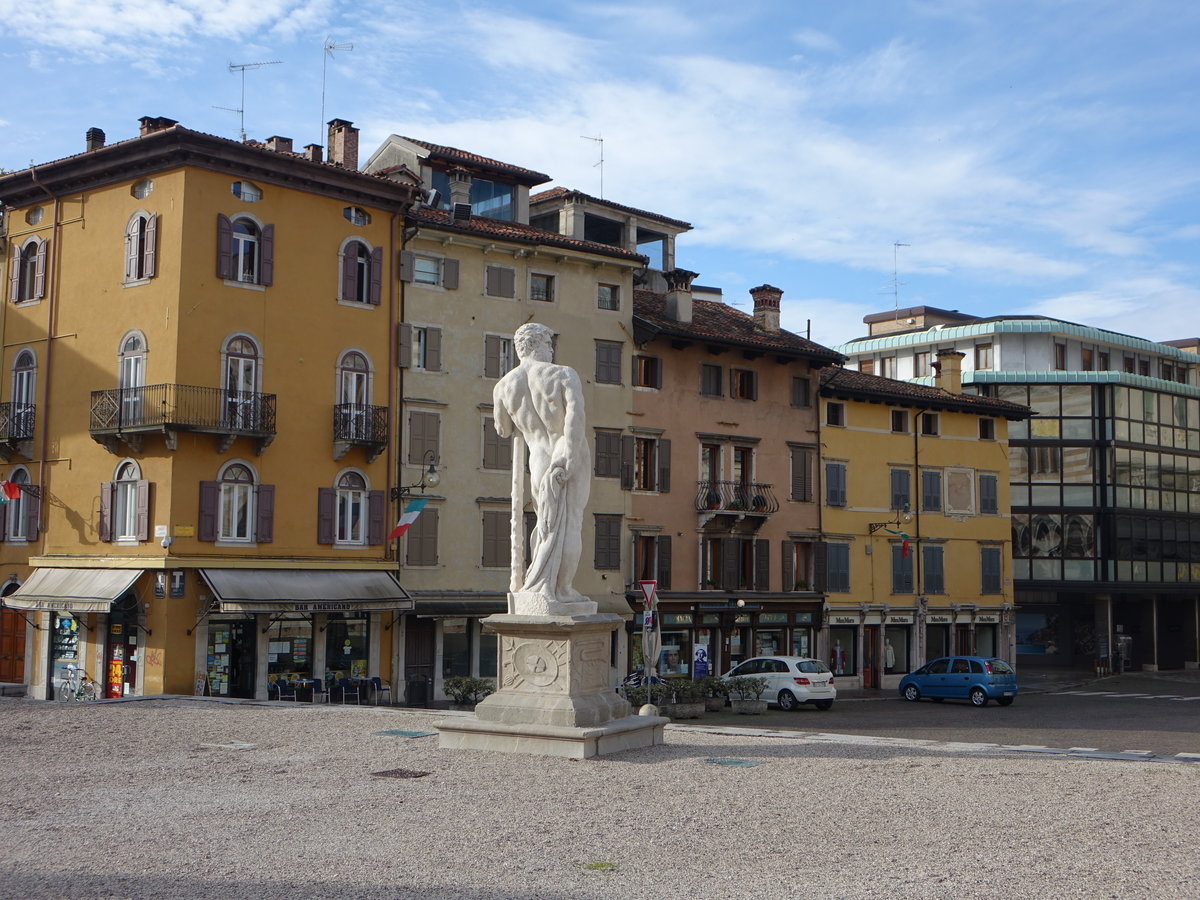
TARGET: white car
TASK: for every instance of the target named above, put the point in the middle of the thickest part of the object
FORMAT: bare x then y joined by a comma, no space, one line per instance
791,680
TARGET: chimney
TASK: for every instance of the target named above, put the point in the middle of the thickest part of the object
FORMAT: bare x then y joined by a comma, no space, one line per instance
151,124
949,371
460,187
94,139
766,308
679,295
343,144
313,152
279,144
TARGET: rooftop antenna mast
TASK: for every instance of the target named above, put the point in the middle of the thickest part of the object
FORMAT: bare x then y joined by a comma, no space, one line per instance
241,110
330,47
600,141
896,282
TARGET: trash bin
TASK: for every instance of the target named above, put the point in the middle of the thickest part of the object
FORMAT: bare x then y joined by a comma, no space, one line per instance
416,689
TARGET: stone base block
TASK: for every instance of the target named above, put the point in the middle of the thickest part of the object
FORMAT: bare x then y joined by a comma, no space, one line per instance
628,733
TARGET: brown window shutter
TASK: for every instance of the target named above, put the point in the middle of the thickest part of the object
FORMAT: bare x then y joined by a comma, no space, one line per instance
664,465
33,510
820,566
150,260
664,562
433,349
422,539
14,273
406,265
376,287
264,525
731,551
132,251
142,520
39,279
266,261
762,565
350,271
627,452
490,441
326,509
376,522
608,454
450,274
404,345
491,356
224,249
106,494
787,554
658,373
206,521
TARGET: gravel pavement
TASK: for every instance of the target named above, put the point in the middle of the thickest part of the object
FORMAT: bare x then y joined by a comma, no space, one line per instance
190,798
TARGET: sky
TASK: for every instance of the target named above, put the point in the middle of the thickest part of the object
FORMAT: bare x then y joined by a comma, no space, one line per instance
1016,157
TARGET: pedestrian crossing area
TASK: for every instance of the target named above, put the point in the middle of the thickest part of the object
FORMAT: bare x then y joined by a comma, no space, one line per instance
1122,695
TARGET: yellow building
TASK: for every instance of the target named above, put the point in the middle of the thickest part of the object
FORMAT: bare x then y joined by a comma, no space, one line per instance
200,341
917,557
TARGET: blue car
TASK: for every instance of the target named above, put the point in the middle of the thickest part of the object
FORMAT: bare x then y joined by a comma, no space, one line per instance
975,678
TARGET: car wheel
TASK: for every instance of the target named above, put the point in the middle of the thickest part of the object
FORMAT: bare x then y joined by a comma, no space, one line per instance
787,701
912,692
979,697
823,705
1004,701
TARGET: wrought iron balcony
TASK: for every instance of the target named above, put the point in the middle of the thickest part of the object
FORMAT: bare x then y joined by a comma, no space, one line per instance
16,428
128,414
359,425
738,497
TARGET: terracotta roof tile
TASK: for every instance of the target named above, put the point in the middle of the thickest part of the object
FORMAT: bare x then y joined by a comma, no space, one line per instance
842,382
722,324
516,232
454,155
557,193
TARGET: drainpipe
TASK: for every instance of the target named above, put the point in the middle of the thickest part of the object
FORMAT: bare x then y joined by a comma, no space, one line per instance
821,651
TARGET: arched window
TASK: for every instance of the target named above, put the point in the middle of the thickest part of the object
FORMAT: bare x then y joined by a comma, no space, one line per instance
21,417
27,277
354,396
241,383
125,502
245,250
351,509
18,526
235,515
131,376
361,272
140,246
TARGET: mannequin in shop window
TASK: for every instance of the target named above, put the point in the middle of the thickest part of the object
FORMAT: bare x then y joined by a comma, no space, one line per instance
889,655
838,658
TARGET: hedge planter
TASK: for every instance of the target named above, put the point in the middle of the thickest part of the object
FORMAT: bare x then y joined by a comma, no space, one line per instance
748,707
690,710
714,704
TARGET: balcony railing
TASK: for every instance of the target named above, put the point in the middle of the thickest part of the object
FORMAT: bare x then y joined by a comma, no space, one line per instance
359,425
751,498
129,413
16,427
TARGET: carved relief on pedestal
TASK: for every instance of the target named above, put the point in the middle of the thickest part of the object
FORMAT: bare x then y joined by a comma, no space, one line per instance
533,664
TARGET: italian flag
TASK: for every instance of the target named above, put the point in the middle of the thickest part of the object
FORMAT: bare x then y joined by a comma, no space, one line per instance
410,515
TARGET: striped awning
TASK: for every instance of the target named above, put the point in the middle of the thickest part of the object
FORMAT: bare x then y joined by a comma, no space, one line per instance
72,590
305,591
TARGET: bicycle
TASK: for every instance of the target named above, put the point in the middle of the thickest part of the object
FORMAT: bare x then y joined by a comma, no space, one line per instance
76,685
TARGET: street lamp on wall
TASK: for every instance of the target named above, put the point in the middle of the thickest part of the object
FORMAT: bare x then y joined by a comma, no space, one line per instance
903,517
430,478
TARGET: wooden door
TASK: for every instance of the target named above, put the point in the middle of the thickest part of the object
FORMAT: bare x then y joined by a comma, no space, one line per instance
12,646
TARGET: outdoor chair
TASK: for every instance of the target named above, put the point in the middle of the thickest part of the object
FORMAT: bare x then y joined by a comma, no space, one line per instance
380,687
286,690
351,690
319,694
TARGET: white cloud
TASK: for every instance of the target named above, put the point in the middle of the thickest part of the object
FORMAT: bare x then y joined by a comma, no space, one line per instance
812,39
1150,307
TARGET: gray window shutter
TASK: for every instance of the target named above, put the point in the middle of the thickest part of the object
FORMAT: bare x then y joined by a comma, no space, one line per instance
14,273
497,543
491,450
224,248
39,286
206,521
664,562
264,523
508,283
933,571
820,566
801,474
450,274
988,499
731,553
658,373
491,278
266,262
608,542
423,436
326,510
376,286
491,356
901,494
422,538
664,465
404,345
902,571
376,523
787,554
433,349
142,512
407,266
150,260
762,565
132,251
931,491
608,454
350,271
627,452
106,495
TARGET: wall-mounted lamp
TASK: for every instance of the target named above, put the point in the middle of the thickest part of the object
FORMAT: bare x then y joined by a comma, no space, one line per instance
429,478
903,516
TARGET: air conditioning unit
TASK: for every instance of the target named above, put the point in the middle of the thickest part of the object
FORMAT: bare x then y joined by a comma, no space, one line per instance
462,212
434,199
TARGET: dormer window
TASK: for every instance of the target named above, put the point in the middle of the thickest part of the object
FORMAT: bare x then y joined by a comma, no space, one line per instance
246,192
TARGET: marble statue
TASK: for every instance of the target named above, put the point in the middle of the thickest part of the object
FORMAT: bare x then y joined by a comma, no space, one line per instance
540,404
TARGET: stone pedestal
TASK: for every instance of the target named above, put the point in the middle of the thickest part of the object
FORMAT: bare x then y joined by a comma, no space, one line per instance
554,695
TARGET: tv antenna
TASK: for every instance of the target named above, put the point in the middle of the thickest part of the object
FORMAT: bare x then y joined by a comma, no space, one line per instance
241,109
600,141
330,47
896,283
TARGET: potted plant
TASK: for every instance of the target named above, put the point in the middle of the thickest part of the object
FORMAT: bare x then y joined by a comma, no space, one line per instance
714,691
464,691
684,700
745,695
639,695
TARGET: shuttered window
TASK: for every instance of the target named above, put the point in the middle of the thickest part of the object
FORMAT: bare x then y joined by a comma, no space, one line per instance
498,355
608,362
497,451
931,491
801,391
422,436
835,484
420,347
497,539
802,473
989,500
27,272
421,539
710,380
901,488
608,454
608,542
902,569
837,568
500,281
933,572
989,560
141,247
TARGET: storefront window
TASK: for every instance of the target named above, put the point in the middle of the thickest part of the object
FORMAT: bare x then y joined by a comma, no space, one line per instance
289,651
895,649
1037,633
456,647
768,643
676,655
841,651
985,640
346,647
64,646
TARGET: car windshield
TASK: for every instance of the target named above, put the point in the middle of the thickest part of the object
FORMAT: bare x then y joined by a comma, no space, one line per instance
1000,667
811,666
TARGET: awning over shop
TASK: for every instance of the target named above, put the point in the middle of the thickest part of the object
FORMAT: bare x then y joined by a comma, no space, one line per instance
72,590
305,591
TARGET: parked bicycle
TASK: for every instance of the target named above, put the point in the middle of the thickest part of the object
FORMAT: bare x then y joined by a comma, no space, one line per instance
76,685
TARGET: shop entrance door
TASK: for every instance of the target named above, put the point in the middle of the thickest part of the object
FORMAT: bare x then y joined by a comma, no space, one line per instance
419,639
870,656
962,641
12,646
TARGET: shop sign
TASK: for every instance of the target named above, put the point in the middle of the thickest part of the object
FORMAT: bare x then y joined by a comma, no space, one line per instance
803,618
772,618
900,620
939,620
177,583
185,531
843,620
986,618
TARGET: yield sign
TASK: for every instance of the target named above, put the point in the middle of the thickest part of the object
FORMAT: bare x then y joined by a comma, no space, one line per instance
648,591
